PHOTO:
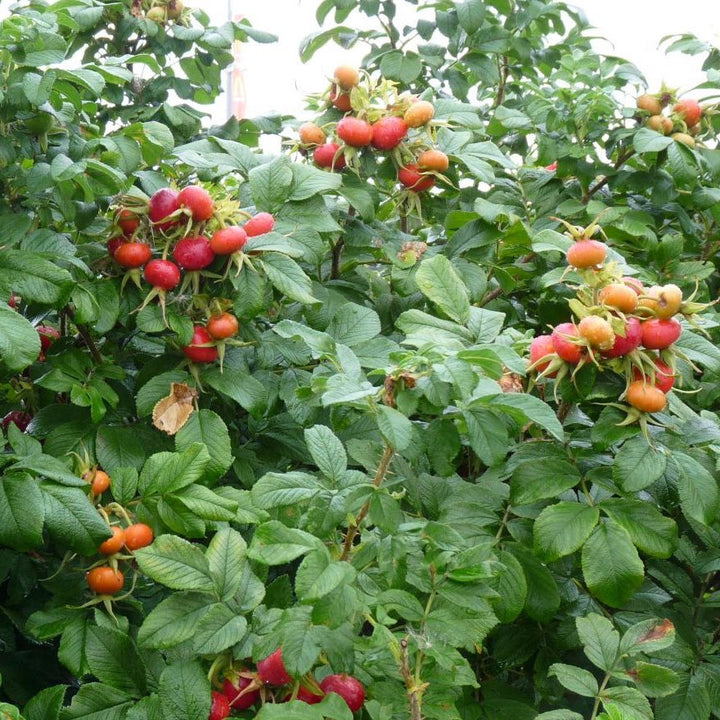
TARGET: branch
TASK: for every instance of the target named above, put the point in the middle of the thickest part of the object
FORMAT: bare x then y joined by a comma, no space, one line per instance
87,338
503,72
379,477
497,292
622,159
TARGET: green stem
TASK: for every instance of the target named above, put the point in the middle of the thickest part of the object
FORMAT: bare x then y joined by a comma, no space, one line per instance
377,481
596,706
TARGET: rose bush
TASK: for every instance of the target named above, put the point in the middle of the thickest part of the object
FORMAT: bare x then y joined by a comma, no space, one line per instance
416,418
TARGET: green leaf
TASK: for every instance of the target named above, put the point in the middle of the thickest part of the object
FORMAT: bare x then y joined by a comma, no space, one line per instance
471,14
655,680
318,575
124,484
559,715
206,428
118,447
288,277
95,701
511,588
113,659
243,388
650,530
646,140
284,489
699,495
308,181
401,602
563,528
630,702
353,325
168,472
533,481
46,704
611,566
543,597
301,640
176,563
205,503
226,557
440,283
270,184
19,341
172,621
523,409
22,512
647,636
638,465
218,629
184,691
690,702
403,67
600,640
275,544
575,679
395,427
327,452
71,519
487,437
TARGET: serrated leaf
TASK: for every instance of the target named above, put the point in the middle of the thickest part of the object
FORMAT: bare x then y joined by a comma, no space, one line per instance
207,428
275,544
282,489
172,621
562,528
113,659
184,691
611,566
327,451
19,340
575,679
394,427
638,465
440,283
699,494
354,324
534,481
226,555
650,530
218,629
288,277
318,575
176,563
600,640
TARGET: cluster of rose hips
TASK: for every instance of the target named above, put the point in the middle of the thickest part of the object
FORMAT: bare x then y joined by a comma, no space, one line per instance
105,578
682,124
161,11
620,326
376,117
243,688
199,233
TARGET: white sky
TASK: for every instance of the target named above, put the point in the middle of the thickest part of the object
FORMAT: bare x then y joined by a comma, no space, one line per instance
276,80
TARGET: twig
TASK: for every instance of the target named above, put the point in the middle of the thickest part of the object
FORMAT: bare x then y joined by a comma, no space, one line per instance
503,72
87,338
622,159
379,477
497,292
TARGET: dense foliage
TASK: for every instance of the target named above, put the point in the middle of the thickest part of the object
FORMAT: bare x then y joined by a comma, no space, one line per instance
280,437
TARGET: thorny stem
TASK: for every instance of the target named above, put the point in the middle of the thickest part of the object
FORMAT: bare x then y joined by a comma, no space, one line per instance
622,159
414,692
87,338
377,481
564,410
497,292
503,71
338,248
